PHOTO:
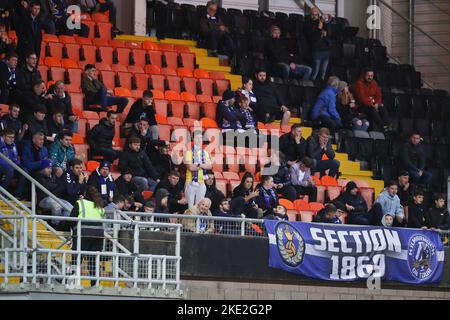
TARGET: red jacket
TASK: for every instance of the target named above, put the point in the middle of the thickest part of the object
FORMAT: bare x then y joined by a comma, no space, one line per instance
365,92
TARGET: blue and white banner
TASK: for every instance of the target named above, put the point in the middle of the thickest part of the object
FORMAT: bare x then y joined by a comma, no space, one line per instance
351,253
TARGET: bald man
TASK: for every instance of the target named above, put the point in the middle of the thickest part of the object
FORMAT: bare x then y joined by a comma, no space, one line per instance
201,209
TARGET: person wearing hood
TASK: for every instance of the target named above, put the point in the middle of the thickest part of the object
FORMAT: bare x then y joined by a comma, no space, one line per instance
282,180
438,217
387,220
162,201
368,95
62,152
103,181
416,212
228,117
216,196
52,183
348,111
387,202
136,160
324,110
352,203
100,137
281,59
173,184
329,214
201,209
143,108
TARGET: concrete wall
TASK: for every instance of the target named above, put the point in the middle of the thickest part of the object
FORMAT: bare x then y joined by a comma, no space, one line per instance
214,290
355,12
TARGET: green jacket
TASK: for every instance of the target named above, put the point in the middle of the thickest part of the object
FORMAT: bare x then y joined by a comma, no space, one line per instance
58,153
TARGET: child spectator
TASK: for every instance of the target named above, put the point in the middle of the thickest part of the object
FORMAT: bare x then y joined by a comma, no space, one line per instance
438,216
329,214
416,212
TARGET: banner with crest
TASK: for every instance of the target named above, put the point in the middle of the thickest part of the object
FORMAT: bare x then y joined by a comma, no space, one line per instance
351,253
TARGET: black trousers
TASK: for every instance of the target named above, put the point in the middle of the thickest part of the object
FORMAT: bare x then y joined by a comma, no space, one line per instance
378,119
91,240
311,192
220,41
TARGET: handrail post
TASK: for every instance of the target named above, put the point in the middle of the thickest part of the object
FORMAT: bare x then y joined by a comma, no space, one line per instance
78,253
178,254
25,249
34,245
136,254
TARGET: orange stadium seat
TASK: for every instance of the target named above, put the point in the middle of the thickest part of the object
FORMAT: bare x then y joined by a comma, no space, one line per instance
99,17
106,54
190,85
175,121
231,176
92,165
209,123
193,109
157,82
72,51
328,181
171,58
164,132
135,69
132,44
67,39
216,75
181,48
204,98
83,40
78,139
221,86
172,95
52,62
125,79
100,42
157,94
90,115
122,92
108,79
187,60
141,81
301,205
148,45
161,106
210,110
49,38
119,68
184,72
140,57
43,70
165,47
174,83
333,192
104,30
58,74
123,56
91,25
75,80
155,58
89,52
152,69
188,97
103,66
206,86
81,150
200,73
177,108
168,71
56,49
316,206
69,63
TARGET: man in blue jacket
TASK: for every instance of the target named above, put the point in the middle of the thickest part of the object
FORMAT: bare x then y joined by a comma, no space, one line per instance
229,118
9,149
34,153
324,110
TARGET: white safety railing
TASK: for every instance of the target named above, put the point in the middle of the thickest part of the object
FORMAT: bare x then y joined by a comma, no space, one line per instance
118,267
242,227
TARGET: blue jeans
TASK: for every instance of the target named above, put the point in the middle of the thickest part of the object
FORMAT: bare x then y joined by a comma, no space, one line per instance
301,70
144,184
323,165
108,101
425,179
321,59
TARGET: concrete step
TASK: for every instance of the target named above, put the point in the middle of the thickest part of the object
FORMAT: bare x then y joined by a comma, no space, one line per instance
214,68
126,37
341,156
210,61
13,280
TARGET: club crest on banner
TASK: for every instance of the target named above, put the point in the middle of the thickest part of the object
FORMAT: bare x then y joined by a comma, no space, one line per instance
422,258
291,244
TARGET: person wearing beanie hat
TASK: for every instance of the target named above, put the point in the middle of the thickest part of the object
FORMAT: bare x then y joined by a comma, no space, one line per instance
143,108
347,108
324,110
103,181
228,117
281,59
351,202
48,179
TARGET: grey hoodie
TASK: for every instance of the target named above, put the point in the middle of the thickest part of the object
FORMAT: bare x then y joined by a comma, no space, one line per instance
390,205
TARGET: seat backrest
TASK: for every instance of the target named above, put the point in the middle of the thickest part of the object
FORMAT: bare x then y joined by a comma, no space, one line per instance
104,30
106,54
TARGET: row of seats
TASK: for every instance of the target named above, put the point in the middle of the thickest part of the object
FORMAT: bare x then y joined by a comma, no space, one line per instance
109,55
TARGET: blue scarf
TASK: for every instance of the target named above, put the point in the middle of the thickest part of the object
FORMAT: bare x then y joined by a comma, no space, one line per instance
268,195
196,160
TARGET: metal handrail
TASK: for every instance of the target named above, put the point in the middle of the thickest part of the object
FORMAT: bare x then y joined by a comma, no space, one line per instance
34,182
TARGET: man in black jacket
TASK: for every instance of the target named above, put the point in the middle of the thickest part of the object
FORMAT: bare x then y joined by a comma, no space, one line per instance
161,160
55,124
352,203
38,123
74,181
320,150
293,145
270,105
8,80
438,217
143,109
62,101
216,33
413,159
173,184
12,121
317,31
26,76
53,184
29,32
100,138
281,59
29,100
103,181
126,187
416,212
133,158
